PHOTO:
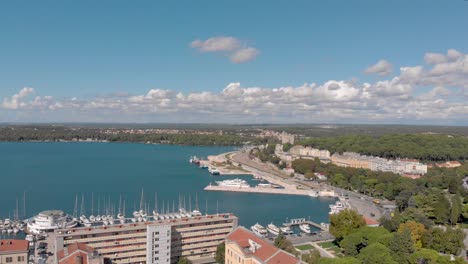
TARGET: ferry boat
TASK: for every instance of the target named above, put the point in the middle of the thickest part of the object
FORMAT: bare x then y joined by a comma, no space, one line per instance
213,171
305,228
259,230
237,183
273,229
48,221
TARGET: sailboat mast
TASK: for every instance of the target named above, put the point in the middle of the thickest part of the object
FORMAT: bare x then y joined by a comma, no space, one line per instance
24,204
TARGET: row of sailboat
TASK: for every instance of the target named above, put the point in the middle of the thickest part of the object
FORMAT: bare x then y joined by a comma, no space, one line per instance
141,215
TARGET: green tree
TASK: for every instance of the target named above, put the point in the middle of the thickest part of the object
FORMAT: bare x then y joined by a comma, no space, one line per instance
220,253
402,246
345,222
353,243
184,260
345,260
284,244
442,210
424,255
449,241
456,209
376,254
312,257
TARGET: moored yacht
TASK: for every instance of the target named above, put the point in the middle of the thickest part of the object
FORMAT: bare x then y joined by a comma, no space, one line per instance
273,229
286,230
305,228
259,230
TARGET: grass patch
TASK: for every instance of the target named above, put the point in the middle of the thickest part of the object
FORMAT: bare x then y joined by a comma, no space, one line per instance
305,247
329,244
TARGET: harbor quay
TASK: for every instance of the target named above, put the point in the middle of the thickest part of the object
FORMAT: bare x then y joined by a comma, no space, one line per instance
311,193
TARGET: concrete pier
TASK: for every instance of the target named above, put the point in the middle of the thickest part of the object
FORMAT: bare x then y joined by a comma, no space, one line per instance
261,190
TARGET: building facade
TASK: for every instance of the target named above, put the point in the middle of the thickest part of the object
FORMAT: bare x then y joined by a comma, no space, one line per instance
244,247
158,241
14,251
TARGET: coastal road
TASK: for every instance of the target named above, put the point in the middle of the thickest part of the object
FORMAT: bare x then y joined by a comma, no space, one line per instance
362,203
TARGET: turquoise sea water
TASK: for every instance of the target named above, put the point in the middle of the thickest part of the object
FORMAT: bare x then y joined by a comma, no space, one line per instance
53,174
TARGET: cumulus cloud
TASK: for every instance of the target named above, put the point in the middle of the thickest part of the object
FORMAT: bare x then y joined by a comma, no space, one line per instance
236,50
432,92
381,68
15,101
244,55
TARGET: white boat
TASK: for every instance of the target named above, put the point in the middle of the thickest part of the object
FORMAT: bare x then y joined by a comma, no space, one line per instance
48,221
286,230
86,222
29,238
259,230
98,218
213,170
273,229
92,218
305,228
236,183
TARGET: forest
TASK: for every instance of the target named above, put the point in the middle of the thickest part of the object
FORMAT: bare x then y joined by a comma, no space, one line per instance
425,147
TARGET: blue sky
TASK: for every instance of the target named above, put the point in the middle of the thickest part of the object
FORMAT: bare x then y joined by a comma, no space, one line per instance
101,49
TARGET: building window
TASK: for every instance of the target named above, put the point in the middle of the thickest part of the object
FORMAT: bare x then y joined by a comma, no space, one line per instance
9,259
156,258
20,258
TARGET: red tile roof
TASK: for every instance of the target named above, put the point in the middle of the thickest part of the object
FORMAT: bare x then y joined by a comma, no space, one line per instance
72,248
266,253
281,257
9,245
370,221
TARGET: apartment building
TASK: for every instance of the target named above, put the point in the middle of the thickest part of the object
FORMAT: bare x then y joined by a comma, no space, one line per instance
309,152
157,241
244,247
351,160
14,251
399,166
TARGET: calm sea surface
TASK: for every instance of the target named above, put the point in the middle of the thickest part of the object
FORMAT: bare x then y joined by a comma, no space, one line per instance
53,174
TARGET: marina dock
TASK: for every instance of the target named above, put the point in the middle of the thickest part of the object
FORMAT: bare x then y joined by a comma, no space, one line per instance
296,222
260,190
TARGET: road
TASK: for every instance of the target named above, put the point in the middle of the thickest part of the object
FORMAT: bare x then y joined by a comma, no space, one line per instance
362,203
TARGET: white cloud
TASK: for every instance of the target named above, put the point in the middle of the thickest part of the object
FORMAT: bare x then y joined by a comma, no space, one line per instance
244,55
428,93
235,49
216,44
381,68
15,101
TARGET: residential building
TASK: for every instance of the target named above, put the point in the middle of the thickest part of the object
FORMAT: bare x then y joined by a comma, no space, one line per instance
399,166
244,247
157,241
14,251
79,253
351,159
287,138
309,152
